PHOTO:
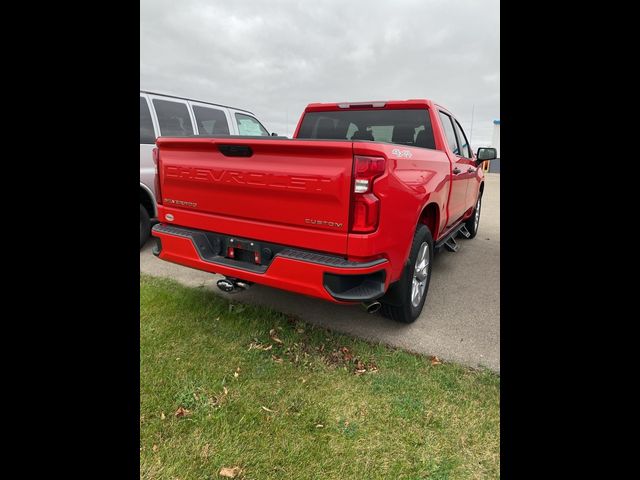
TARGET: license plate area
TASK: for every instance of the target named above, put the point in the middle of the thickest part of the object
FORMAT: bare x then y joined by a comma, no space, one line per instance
248,251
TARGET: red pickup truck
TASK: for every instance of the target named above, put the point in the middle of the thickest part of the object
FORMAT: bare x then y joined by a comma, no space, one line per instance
349,210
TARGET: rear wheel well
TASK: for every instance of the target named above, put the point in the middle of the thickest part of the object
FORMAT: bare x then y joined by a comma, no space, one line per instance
430,217
147,202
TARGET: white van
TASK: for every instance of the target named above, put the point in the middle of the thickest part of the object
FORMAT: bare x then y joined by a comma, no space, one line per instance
166,115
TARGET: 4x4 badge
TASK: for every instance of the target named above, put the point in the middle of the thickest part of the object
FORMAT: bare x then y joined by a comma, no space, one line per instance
401,153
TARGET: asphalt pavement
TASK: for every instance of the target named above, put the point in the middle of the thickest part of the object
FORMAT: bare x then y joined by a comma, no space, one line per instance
460,321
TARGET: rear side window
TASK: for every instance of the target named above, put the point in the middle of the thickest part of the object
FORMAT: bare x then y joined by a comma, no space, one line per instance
462,139
147,135
211,121
173,118
447,125
405,127
250,126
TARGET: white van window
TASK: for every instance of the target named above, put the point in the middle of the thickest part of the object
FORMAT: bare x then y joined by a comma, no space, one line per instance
250,126
210,121
173,118
147,135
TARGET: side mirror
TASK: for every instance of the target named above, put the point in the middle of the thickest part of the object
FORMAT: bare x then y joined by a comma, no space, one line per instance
274,134
486,154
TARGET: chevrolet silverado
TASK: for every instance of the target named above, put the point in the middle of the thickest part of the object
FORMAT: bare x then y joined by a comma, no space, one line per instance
351,209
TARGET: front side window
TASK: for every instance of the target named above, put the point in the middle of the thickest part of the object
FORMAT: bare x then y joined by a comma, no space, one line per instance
410,127
250,126
462,138
147,135
211,121
447,125
173,118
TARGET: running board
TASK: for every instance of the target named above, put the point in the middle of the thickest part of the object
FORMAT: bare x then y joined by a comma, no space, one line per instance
448,241
465,233
451,245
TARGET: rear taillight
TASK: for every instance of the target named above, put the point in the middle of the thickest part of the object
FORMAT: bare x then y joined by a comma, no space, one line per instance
365,205
156,180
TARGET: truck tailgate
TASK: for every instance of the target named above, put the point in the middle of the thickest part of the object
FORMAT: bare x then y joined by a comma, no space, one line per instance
295,184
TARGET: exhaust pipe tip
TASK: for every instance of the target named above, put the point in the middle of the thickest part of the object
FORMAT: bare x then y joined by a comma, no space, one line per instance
232,285
372,307
225,285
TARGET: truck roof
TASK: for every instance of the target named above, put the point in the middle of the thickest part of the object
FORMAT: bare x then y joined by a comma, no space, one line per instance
382,104
193,100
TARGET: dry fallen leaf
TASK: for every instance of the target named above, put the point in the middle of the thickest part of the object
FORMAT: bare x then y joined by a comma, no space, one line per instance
435,361
162,416
259,346
319,425
346,354
272,334
182,412
232,472
225,390
276,359
154,448
268,410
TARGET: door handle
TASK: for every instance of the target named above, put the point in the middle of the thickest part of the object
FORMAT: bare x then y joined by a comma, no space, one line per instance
471,170
456,171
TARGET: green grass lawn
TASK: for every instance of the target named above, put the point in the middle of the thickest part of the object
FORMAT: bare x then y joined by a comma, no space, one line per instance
259,390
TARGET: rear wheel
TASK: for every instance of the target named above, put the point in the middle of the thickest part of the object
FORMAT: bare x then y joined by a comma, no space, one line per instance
410,291
145,226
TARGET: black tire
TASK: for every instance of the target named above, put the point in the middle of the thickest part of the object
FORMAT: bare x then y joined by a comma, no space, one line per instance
145,226
473,222
397,303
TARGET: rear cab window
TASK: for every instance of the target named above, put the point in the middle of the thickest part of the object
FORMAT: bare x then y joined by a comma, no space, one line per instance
411,127
247,125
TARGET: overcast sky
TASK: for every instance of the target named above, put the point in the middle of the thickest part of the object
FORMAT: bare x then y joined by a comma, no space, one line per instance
273,57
